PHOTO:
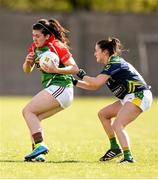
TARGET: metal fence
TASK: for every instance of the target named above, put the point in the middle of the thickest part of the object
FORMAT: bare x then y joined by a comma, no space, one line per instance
138,33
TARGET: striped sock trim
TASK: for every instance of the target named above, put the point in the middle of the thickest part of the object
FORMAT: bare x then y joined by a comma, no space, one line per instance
37,137
58,91
125,148
111,136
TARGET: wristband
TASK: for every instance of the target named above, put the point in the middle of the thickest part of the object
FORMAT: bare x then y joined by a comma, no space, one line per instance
81,73
74,81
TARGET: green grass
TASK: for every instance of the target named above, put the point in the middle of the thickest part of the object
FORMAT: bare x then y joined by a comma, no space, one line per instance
76,140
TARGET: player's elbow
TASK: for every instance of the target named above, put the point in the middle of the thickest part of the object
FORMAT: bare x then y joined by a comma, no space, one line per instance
94,87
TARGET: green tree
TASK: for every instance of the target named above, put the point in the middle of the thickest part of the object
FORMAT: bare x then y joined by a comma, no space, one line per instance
121,6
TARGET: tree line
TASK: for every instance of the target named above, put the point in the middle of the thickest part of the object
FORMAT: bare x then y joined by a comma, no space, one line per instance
113,6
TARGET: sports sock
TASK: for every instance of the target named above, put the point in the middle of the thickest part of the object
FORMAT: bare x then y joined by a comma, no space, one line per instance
37,137
113,143
127,153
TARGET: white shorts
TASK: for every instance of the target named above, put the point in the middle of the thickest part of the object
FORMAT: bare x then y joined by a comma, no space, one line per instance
64,95
143,103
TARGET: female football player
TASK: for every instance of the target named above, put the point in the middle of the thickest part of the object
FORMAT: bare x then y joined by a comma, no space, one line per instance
48,35
134,96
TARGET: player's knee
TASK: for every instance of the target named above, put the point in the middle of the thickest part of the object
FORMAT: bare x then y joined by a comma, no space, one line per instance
102,115
25,111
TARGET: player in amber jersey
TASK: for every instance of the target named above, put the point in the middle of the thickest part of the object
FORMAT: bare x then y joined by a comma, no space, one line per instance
48,35
134,96
124,78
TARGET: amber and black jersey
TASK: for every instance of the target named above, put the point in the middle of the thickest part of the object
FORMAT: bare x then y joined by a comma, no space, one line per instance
124,78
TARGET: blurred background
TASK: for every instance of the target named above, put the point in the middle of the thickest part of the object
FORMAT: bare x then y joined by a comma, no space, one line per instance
134,22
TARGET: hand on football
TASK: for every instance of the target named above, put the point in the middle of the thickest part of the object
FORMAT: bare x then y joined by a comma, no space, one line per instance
49,69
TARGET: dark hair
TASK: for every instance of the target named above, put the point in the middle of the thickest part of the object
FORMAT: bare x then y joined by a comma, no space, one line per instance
50,27
113,45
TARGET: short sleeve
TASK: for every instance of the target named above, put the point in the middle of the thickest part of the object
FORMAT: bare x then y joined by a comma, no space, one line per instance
110,69
61,50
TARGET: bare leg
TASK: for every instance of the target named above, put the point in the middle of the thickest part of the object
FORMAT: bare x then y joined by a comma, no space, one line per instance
127,114
41,103
49,113
40,107
106,114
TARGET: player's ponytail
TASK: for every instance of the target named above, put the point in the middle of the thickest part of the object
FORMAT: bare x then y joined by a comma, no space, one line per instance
58,31
117,46
113,45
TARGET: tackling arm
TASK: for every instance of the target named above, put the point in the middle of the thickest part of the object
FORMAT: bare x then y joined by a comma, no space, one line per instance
92,83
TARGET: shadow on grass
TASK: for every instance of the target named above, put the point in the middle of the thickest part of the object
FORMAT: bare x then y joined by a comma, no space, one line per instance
71,161
65,161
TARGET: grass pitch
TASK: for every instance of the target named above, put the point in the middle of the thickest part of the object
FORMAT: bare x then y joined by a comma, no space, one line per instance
76,141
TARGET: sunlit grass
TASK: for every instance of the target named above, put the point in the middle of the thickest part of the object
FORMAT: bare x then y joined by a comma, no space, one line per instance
76,140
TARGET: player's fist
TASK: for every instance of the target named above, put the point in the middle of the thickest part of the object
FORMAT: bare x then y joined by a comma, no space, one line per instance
81,73
30,58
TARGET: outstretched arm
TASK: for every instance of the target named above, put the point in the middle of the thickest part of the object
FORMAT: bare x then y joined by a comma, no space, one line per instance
92,83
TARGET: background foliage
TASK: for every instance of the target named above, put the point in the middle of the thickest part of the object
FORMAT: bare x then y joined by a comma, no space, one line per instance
121,6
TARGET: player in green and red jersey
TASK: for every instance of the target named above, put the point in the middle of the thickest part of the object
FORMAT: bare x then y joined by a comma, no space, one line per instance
53,45
134,96
57,83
